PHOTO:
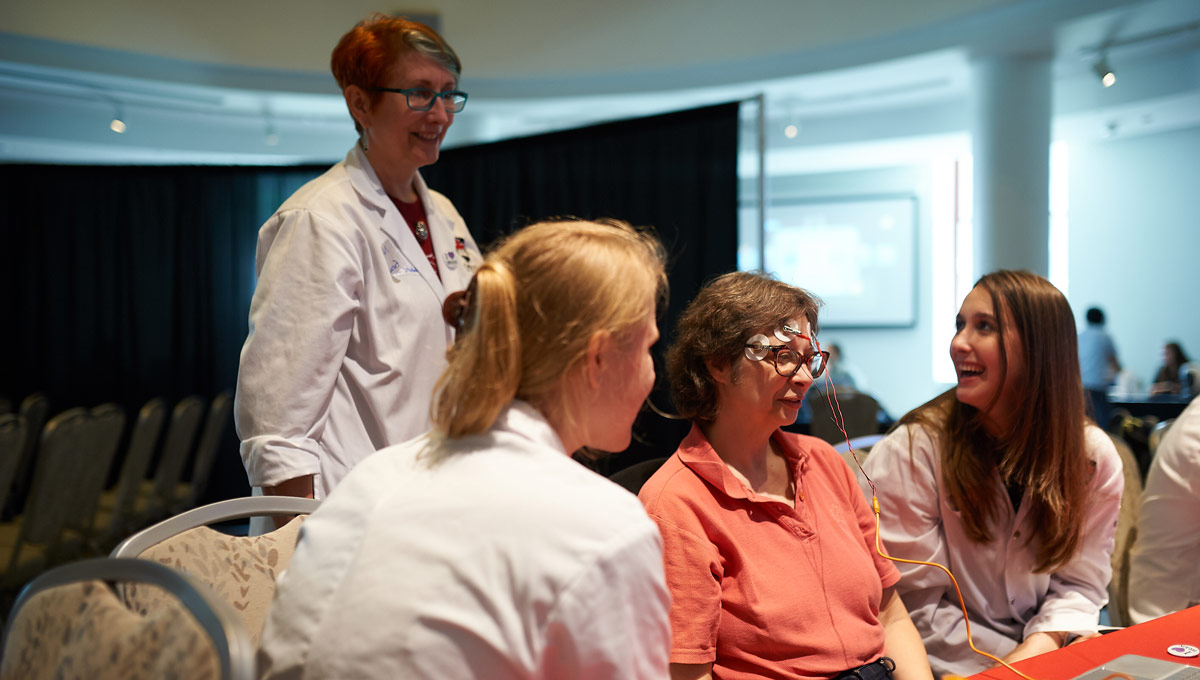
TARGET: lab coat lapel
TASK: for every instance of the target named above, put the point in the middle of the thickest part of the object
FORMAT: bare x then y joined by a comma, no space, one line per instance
442,231
367,183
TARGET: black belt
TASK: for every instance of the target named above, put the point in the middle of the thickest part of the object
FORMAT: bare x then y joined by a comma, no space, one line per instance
879,669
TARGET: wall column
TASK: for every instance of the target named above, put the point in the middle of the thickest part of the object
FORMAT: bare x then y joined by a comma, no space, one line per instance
1010,116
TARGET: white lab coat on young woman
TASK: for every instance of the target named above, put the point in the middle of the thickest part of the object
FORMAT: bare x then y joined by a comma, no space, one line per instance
346,332
1007,600
489,556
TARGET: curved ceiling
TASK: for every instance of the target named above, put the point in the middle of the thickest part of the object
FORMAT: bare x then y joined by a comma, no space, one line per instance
209,81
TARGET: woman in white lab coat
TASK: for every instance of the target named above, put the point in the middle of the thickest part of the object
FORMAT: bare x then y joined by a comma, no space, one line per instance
346,337
483,550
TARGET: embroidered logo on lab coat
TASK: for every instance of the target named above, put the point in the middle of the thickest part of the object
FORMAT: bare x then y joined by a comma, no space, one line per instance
395,268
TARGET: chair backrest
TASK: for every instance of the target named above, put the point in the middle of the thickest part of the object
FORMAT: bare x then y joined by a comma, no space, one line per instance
859,411
102,435
34,408
1157,434
181,439
69,622
142,443
636,475
861,445
241,569
13,431
210,440
48,504
1126,534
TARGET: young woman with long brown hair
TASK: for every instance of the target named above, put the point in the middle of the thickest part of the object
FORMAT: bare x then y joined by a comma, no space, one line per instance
1005,481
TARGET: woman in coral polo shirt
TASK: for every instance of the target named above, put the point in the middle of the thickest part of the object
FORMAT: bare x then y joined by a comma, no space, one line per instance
769,545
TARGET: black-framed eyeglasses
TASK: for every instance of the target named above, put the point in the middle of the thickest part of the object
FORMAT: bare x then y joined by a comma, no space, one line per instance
787,360
422,98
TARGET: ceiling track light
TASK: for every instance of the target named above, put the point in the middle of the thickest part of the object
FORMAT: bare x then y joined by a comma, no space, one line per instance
1104,71
1101,51
117,124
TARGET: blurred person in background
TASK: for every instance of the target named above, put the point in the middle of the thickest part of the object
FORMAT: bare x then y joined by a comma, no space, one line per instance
1097,357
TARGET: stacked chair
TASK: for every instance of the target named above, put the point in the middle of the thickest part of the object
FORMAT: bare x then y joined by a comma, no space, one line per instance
115,512
13,432
179,598
59,510
32,541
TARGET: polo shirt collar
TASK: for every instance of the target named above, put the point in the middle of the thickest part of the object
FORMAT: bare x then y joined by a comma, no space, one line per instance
698,455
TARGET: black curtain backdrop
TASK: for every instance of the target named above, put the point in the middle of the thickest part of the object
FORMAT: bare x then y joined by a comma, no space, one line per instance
675,172
126,283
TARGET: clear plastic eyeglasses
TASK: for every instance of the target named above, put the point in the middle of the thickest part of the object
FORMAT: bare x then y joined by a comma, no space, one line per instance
422,98
787,360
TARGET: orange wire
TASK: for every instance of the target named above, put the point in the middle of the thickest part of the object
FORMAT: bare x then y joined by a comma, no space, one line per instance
839,421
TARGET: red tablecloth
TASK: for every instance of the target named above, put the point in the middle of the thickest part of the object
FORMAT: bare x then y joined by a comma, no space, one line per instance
1148,639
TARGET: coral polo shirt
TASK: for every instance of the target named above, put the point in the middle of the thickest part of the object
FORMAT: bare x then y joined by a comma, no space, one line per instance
762,589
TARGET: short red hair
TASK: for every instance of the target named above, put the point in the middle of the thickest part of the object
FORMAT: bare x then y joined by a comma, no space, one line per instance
367,53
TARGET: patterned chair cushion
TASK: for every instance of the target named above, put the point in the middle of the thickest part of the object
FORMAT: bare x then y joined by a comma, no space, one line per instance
81,630
240,569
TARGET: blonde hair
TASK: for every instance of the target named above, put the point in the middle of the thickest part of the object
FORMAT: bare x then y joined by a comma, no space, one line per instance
532,308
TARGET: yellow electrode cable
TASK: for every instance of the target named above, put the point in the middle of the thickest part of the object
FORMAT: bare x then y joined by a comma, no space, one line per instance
836,408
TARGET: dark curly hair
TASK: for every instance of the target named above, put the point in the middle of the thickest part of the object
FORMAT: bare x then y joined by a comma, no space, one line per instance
715,326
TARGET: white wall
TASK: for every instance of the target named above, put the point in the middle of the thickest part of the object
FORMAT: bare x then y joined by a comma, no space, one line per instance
1134,250
895,361
1135,242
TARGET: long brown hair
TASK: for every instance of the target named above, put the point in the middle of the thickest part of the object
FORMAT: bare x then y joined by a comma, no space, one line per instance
1043,448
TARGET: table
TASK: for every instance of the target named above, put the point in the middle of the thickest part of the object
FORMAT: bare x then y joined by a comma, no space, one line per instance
1161,406
1148,639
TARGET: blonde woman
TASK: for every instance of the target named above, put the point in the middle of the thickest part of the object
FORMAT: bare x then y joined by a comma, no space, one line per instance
483,549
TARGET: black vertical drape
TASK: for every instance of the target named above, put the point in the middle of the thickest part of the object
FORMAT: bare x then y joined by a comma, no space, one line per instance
125,283
676,172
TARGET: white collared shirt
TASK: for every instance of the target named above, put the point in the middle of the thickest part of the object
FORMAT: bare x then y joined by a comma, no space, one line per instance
506,560
1164,575
1007,601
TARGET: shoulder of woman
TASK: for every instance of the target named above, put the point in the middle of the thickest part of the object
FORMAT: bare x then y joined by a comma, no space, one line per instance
910,448
1100,448
910,436
1102,453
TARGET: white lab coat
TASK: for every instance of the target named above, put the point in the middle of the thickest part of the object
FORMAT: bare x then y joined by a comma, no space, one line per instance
346,333
506,560
1006,599
1163,572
